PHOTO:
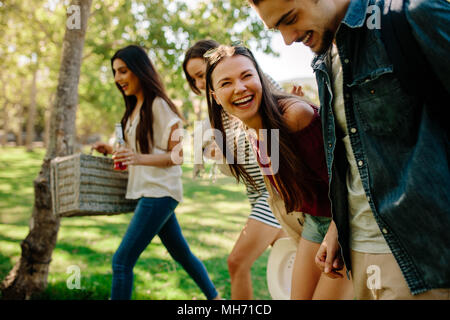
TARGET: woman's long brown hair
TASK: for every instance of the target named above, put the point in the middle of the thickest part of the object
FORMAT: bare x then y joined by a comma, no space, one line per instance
297,183
139,63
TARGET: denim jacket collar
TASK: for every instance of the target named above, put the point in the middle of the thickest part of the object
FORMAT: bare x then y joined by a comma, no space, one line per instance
354,18
356,13
319,62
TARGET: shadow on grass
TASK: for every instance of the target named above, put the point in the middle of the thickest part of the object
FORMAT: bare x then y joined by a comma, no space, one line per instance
95,287
81,251
211,211
201,188
189,231
5,266
6,262
11,216
154,279
104,227
151,275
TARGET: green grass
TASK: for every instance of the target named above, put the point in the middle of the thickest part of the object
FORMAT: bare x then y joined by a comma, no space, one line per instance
211,217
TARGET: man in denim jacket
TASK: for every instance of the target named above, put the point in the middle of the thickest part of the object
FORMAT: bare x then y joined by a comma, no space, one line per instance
387,151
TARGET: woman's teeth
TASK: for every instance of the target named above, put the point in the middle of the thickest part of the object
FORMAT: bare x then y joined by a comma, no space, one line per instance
308,36
243,100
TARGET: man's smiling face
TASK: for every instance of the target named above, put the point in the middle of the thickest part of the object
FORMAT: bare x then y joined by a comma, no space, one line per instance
313,22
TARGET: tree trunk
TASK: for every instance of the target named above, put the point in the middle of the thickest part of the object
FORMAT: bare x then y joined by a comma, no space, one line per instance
5,123
31,113
5,114
48,112
29,276
19,137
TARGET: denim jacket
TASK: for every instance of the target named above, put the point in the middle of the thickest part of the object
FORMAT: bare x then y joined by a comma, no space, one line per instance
400,148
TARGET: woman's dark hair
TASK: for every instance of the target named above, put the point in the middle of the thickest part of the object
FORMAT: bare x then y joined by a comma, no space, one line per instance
295,180
139,63
197,51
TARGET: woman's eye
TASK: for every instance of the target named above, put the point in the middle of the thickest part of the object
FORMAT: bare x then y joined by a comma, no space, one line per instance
247,75
224,84
291,20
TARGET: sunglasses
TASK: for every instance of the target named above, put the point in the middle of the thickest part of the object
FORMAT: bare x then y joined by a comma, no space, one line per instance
212,51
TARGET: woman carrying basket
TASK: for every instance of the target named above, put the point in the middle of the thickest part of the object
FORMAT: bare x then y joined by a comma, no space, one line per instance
149,123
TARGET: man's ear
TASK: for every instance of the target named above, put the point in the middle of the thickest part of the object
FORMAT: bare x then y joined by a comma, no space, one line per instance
213,94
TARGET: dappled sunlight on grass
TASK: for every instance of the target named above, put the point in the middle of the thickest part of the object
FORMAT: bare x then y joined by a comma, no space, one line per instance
211,217
14,234
11,249
18,168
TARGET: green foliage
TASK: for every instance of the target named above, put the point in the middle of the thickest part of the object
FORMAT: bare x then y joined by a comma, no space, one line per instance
211,217
33,31
32,34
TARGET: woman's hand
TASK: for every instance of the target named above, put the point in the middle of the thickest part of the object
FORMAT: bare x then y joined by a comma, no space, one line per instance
126,156
297,90
102,147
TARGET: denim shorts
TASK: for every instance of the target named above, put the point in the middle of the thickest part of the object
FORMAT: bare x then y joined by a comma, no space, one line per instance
315,228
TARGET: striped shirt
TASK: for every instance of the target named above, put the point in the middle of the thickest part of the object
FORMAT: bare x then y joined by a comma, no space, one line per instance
245,156
274,86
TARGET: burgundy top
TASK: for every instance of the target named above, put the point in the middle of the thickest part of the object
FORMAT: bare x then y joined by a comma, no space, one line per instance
308,146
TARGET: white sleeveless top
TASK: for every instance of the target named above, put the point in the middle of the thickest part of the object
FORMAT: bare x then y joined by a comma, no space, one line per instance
151,181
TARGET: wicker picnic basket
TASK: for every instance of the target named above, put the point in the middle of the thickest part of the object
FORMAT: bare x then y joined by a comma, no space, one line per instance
86,185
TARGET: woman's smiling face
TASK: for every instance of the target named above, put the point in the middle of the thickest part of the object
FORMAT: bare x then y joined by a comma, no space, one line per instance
237,88
196,68
125,78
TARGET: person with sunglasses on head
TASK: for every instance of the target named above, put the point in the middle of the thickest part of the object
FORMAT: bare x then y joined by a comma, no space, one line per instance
262,228
383,73
149,123
294,171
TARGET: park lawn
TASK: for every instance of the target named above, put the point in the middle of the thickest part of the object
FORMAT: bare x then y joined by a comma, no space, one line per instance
211,217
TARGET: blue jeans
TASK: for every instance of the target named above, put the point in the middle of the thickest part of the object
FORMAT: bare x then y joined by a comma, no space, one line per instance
155,216
315,228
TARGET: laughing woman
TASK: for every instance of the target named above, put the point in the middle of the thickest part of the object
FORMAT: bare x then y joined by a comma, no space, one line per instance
148,123
262,228
296,175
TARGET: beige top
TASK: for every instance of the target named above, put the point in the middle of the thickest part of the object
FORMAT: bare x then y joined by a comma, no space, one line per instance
365,235
151,181
291,222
